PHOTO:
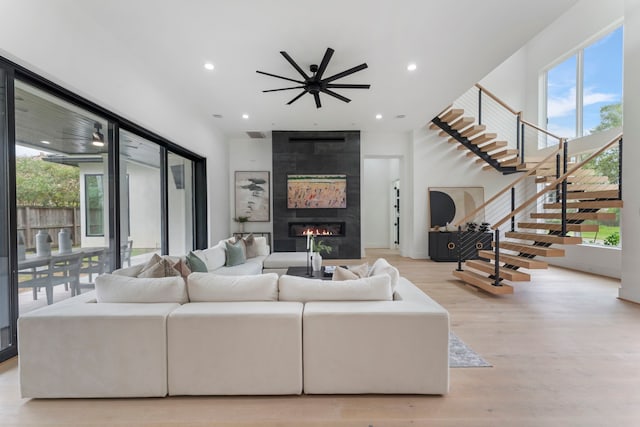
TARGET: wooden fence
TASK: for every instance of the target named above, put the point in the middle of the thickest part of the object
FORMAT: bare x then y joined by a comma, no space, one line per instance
33,219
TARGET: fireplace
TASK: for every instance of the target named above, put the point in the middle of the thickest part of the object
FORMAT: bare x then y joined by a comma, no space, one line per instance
325,229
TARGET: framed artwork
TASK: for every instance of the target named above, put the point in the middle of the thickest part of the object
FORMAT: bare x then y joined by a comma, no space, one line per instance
308,191
252,195
451,204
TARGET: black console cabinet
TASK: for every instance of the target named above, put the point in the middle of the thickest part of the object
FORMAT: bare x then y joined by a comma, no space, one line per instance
443,244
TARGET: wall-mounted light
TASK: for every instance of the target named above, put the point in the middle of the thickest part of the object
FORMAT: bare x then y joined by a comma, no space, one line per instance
97,138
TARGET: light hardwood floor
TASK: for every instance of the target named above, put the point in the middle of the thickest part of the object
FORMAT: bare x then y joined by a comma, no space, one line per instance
565,352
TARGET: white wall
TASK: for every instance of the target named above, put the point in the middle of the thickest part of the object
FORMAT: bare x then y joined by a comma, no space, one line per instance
118,83
630,173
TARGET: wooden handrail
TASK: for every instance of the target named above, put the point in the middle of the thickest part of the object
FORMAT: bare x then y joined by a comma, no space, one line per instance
498,100
540,129
505,189
558,180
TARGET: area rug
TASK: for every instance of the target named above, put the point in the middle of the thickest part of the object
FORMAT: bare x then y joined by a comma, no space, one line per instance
461,356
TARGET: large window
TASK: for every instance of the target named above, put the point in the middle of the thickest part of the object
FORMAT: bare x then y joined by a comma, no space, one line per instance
584,91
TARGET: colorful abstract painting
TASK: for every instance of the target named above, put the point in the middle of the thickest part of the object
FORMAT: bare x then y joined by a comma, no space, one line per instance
252,195
316,191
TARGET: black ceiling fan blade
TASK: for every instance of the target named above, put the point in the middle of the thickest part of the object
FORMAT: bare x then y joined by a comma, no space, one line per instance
347,86
316,96
294,65
335,95
297,97
284,88
325,61
345,73
279,77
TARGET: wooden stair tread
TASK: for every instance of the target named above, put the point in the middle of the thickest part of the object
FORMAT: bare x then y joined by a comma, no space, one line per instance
590,204
586,195
462,123
434,126
600,216
485,137
511,162
443,133
504,153
590,187
493,146
546,238
482,282
589,179
451,115
473,130
505,273
530,249
558,227
532,264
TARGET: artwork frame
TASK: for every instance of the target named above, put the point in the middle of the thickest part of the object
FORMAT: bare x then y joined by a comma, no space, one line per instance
451,204
316,191
253,195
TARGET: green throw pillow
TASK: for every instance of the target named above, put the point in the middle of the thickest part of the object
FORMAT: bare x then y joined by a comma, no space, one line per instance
235,254
196,264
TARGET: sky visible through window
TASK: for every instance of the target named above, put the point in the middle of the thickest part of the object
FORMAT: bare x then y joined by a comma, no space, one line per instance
602,85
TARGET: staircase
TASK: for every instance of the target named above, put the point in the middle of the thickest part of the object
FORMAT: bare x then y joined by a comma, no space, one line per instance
569,198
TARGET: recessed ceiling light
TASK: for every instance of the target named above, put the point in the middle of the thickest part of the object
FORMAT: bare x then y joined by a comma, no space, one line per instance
378,116
45,142
400,116
217,116
412,67
245,116
208,66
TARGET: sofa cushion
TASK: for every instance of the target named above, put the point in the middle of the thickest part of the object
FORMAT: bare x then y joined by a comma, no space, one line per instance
374,288
196,263
121,289
381,266
235,254
285,260
211,287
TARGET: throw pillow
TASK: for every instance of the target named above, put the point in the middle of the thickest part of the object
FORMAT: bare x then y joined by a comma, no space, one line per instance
164,268
361,270
155,258
262,248
195,263
182,267
214,256
341,273
121,289
211,287
381,266
251,246
235,254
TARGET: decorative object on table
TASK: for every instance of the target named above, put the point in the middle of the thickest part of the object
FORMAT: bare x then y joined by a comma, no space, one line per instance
451,204
43,244
252,195
64,241
317,249
22,250
310,191
472,226
484,227
241,220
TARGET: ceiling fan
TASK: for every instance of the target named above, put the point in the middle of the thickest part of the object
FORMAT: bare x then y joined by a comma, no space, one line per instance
314,84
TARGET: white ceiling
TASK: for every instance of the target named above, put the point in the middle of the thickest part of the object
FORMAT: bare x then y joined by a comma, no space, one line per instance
453,43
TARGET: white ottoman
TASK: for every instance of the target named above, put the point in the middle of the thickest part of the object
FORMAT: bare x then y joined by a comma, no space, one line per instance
235,348
279,262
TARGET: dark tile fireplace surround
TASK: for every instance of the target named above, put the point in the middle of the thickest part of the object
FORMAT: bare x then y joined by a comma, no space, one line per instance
335,152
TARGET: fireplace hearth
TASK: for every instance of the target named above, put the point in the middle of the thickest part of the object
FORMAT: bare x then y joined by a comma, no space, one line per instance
325,229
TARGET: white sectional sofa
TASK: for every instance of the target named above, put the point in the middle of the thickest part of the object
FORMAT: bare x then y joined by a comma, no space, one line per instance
236,335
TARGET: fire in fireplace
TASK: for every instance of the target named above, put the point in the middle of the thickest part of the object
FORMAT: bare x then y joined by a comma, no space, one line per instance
297,229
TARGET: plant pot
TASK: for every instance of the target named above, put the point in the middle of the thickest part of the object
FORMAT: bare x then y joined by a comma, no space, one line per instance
316,261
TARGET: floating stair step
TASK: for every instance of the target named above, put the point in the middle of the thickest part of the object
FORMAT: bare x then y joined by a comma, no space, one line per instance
493,146
452,140
600,216
530,249
593,204
482,282
451,115
443,134
473,130
485,137
557,227
434,126
511,162
505,273
530,166
504,153
470,153
589,179
532,264
462,123
586,195
592,187
545,238
487,167
543,179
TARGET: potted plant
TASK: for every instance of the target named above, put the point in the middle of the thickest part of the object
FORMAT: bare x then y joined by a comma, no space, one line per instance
241,220
319,247
471,226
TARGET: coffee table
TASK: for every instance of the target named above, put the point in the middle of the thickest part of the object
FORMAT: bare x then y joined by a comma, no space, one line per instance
302,272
